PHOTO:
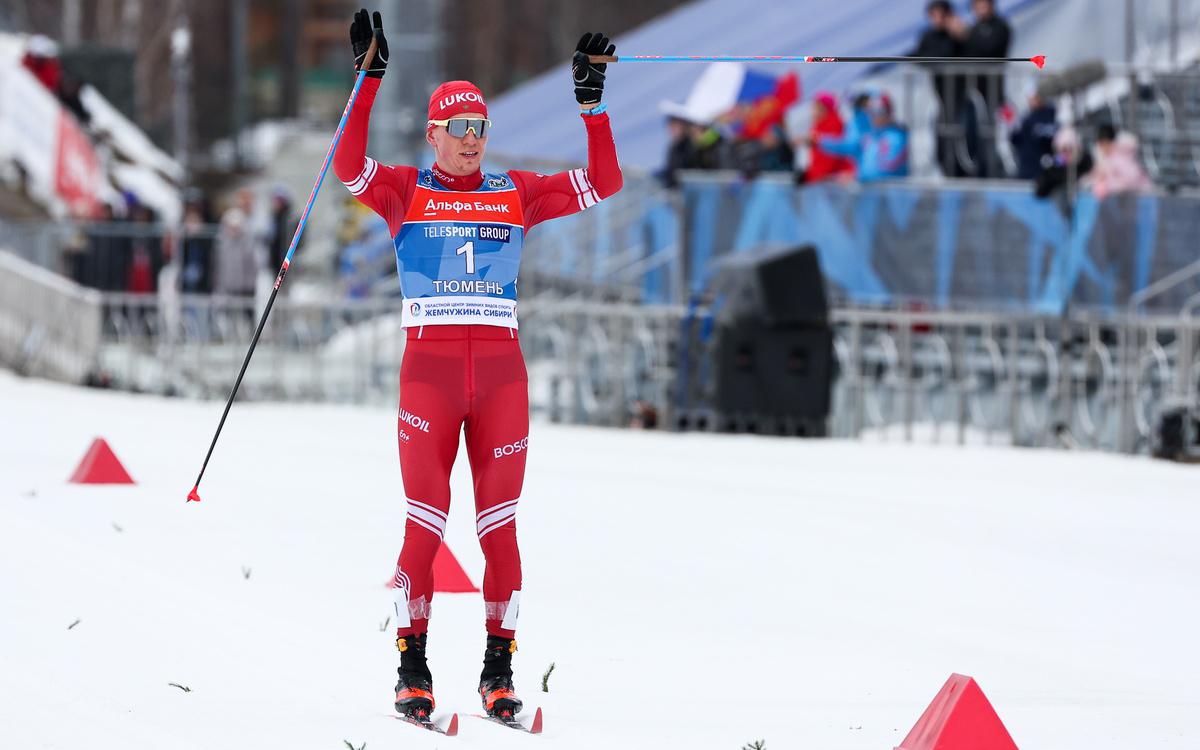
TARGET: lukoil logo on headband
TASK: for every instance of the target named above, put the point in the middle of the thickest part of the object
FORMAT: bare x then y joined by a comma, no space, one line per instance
465,96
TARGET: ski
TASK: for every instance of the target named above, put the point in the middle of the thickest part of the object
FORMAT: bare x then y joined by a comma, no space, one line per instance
425,722
512,723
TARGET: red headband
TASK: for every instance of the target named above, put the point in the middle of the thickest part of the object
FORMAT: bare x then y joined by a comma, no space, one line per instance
454,98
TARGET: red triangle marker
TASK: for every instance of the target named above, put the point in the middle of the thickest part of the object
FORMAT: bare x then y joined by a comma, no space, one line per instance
448,575
959,718
100,466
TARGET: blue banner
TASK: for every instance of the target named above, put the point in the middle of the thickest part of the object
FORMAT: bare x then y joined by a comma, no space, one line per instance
987,245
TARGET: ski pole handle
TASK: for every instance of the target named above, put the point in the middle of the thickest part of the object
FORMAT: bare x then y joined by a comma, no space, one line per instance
1038,60
370,56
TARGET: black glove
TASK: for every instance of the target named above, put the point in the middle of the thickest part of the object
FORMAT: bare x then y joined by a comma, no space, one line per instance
589,76
360,39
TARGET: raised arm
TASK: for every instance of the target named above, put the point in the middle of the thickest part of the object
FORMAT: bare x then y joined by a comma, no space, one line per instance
383,188
550,196
843,145
564,193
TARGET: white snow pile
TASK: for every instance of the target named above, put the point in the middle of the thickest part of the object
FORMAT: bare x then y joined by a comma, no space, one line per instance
694,591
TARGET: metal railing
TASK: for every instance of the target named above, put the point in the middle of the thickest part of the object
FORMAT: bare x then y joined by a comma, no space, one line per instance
1077,380
49,326
103,255
589,363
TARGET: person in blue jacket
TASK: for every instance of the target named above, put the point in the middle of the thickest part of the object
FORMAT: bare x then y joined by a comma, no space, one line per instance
882,150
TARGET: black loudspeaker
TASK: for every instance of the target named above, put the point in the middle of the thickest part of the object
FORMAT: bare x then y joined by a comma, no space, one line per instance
774,380
792,288
769,366
777,286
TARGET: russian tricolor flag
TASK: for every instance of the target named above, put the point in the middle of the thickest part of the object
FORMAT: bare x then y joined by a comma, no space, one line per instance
723,86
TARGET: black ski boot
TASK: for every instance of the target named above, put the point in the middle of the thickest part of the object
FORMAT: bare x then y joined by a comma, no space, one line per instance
495,683
414,690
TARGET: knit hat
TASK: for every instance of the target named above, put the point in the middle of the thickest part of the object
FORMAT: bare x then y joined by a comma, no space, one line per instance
879,104
454,98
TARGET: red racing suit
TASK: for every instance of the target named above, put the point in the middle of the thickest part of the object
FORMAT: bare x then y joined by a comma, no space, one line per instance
463,376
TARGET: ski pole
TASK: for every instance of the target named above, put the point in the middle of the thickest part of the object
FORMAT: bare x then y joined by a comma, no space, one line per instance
1038,60
287,260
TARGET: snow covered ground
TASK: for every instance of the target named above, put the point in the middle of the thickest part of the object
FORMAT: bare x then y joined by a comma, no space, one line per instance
722,589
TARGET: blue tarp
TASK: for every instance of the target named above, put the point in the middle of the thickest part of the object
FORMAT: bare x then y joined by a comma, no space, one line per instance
951,245
964,243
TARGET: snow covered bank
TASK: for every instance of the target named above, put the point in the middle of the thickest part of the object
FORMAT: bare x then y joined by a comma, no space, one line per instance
726,589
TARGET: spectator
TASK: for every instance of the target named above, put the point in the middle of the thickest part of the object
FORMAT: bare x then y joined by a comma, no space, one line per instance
693,145
145,258
1117,169
942,39
1070,162
76,258
827,122
41,59
281,228
770,152
882,151
989,36
745,152
196,247
240,251
108,254
681,151
1033,139
860,118
712,152
188,269
169,308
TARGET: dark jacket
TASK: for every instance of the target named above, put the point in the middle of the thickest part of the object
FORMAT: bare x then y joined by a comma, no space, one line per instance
1033,141
989,38
680,155
1054,178
282,228
939,43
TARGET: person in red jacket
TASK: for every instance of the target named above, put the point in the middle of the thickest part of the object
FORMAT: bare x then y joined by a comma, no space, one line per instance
826,121
458,233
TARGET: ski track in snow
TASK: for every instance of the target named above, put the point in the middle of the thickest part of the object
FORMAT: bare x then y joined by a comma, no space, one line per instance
814,594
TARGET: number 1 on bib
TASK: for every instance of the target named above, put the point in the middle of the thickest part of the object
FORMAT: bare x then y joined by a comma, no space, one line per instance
469,250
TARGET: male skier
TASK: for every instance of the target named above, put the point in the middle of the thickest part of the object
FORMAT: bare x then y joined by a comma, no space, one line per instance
458,234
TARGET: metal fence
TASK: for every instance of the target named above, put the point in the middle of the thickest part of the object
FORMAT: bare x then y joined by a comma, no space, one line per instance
1086,380
115,255
1079,380
49,326
589,363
